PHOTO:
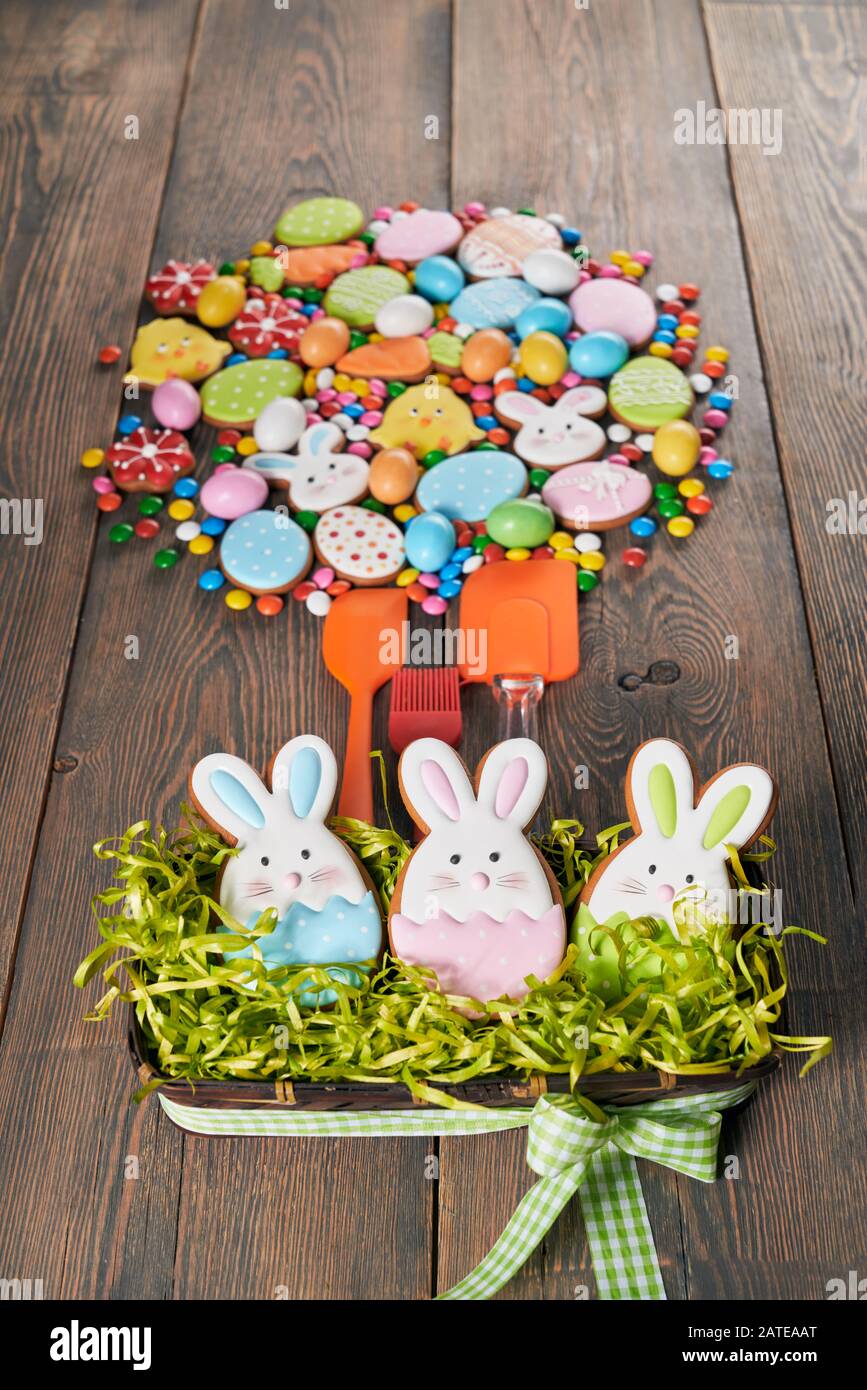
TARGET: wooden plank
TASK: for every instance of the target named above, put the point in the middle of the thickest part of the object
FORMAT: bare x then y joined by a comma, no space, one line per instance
69,281
280,104
588,130
803,62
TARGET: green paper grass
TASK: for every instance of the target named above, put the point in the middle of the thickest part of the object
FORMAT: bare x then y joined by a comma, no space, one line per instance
628,996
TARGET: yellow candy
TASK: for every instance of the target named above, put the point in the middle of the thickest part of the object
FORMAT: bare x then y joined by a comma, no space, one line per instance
518,552
570,554
407,577
404,512
342,382
375,338
543,358
242,267
359,386
633,268
181,509
660,349
238,600
440,311
221,301
92,458
246,446
691,487
681,526
261,248
310,383
676,447
444,379
686,330
620,258
561,540
717,354
201,545
592,560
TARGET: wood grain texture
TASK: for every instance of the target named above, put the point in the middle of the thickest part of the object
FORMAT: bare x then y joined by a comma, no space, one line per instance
808,64
557,140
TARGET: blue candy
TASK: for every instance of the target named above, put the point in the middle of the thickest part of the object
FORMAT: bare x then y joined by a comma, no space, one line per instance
599,354
209,580
720,468
185,487
449,571
462,553
720,400
643,526
486,422
450,589
667,321
664,335
570,235
439,279
279,354
213,526
127,423
235,360
353,411
545,316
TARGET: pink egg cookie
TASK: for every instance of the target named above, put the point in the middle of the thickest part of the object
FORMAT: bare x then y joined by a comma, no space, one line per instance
359,544
597,496
614,306
502,244
417,236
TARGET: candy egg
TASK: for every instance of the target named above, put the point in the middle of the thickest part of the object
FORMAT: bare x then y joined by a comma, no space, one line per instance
430,540
280,425
404,316
522,523
323,342
545,316
221,301
485,354
543,358
234,492
676,448
439,279
393,475
599,354
176,404
552,272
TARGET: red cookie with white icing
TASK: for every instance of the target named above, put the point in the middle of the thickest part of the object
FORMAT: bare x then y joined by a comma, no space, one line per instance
176,288
418,235
502,244
267,322
359,544
150,460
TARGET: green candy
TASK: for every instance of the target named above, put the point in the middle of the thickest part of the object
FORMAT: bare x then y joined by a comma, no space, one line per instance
149,506
374,505
663,490
356,296
227,268
312,296
395,388
223,453
357,339
319,222
648,392
434,457
539,477
520,523
266,273
480,543
587,580
307,520
121,532
164,559
670,506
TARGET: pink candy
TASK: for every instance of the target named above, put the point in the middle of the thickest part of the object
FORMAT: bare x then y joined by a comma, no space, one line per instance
347,398
358,261
611,272
571,378
384,214
474,209
482,393
377,387
430,581
715,419
371,418
102,485
707,455
644,258
359,447
326,394
434,604
323,577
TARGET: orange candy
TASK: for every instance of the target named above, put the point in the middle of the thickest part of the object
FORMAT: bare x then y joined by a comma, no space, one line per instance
109,501
269,605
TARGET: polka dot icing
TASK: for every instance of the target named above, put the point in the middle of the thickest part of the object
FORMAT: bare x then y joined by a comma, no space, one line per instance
597,496
265,552
359,544
236,395
422,234
493,303
358,295
501,245
468,486
319,222
648,392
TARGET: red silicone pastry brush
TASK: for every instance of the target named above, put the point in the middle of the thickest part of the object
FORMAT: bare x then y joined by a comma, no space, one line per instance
425,703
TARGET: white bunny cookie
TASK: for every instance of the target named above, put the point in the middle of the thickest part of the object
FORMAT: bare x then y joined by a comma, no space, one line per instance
319,476
475,902
552,436
289,859
680,847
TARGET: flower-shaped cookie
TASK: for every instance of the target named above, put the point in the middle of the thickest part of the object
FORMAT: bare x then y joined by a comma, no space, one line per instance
176,288
267,322
150,460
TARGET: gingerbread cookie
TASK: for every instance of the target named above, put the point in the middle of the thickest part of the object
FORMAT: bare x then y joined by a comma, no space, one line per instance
174,348
502,244
475,902
319,222
176,288
469,486
493,303
267,322
320,476
358,295
427,418
360,545
446,351
420,234
306,265
265,552
150,460
552,436
648,392
614,306
237,395
597,496
394,359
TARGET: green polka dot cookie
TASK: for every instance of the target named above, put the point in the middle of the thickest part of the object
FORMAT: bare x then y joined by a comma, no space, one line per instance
358,295
648,392
319,222
237,395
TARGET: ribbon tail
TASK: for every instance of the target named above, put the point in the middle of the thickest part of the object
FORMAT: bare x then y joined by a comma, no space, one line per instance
618,1228
533,1218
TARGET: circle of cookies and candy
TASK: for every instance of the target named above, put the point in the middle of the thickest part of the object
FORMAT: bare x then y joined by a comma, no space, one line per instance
483,355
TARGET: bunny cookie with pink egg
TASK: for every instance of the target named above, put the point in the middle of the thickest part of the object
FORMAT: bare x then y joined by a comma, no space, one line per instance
319,476
475,902
680,848
552,436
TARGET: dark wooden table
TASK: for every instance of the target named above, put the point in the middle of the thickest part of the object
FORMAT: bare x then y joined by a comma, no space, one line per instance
243,106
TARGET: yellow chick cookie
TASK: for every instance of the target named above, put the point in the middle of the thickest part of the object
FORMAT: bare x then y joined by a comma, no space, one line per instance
174,348
425,418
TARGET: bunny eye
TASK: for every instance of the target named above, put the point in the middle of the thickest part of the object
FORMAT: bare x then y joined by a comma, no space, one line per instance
455,859
311,479
541,429
652,869
494,857
332,466
305,854
264,861
569,426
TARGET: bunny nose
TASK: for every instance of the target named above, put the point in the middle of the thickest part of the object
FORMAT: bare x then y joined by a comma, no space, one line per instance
665,892
479,882
556,438
291,880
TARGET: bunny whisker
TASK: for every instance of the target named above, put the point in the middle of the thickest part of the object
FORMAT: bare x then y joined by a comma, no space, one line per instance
636,892
516,880
441,888
323,874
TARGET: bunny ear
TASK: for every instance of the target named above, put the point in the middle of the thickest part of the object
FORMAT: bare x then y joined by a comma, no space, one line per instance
305,771
276,467
513,780
735,805
434,783
520,405
583,400
321,439
660,786
230,794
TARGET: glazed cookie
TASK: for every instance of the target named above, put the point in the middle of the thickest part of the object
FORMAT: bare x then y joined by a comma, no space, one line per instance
267,322
446,351
553,435
360,545
426,418
150,460
174,348
305,265
614,306
421,234
475,902
236,395
319,222
394,359
469,486
176,288
597,496
502,244
320,476
358,295
265,552
648,392
493,303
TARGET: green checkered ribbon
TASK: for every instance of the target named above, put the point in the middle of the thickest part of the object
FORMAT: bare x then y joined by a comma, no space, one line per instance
571,1153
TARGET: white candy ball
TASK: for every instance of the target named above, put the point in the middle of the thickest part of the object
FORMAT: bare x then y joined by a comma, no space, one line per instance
318,602
700,383
280,425
586,541
664,292
552,272
405,316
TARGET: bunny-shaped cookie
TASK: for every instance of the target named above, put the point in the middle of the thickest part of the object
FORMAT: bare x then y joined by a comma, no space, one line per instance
679,849
288,859
553,435
320,476
475,902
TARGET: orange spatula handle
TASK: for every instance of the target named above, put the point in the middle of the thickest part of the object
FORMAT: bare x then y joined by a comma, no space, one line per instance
356,792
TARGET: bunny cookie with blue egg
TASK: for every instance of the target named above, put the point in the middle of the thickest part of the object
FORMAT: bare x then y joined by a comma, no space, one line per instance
288,859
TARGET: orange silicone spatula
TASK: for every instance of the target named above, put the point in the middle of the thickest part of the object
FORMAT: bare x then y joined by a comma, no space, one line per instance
361,647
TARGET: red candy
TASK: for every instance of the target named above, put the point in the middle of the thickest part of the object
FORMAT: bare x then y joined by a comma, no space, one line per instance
147,528
634,557
269,605
631,452
229,438
109,354
109,501
714,369
688,292
699,506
